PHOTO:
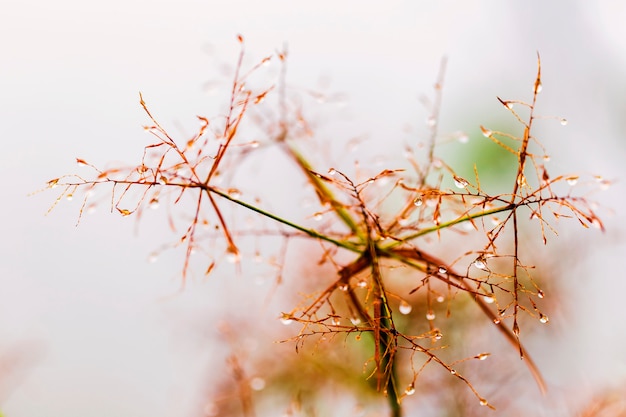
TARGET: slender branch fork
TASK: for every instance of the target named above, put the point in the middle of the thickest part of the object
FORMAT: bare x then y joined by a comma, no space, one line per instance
375,239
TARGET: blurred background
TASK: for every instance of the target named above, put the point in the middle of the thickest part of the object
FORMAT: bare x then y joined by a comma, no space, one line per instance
88,326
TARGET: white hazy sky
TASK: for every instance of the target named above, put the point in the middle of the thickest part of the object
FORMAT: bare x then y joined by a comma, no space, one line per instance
92,329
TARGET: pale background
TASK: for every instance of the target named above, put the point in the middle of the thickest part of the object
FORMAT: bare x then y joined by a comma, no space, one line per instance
88,327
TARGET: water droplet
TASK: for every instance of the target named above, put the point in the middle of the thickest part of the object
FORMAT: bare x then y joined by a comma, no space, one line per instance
404,307
537,87
486,132
254,144
437,334
233,256
257,383
482,356
362,283
69,197
343,286
336,321
496,321
453,371
357,337
154,203
515,329
441,299
462,137
563,122
286,319
318,217
572,180
332,171
430,315
403,221
234,192
595,222
418,201
460,182
443,270
81,162
540,294
543,318
355,320
153,257
431,121
483,401
480,263
495,221
410,390
489,298
546,158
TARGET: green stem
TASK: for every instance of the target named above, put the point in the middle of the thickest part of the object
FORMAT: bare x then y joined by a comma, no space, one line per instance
343,244
325,192
447,224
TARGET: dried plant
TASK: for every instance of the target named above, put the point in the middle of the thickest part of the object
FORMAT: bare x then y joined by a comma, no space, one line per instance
381,223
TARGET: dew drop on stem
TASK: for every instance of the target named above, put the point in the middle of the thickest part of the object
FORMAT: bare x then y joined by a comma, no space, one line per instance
233,256
480,263
460,183
462,137
430,315
489,298
543,318
483,402
286,319
572,180
418,201
234,192
404,307
540,294
410,390
355,320
257,383
154,203
442,270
